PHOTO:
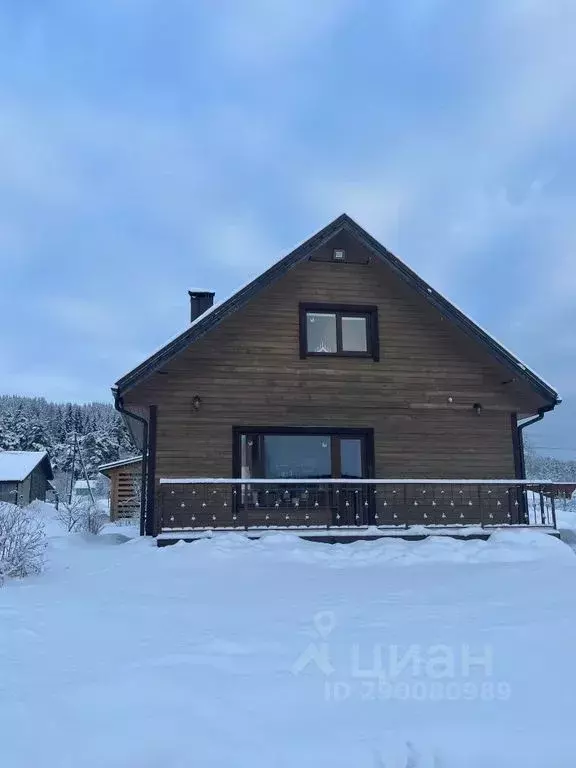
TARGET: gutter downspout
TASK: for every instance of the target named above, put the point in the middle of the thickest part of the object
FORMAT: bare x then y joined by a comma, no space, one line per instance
521,427
119,406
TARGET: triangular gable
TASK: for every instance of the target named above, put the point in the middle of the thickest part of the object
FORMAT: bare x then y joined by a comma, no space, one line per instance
220,311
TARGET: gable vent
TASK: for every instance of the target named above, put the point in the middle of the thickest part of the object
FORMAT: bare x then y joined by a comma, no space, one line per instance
339,254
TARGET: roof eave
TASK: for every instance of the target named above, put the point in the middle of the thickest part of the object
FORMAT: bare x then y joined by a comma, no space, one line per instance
47,467
154,362
103,468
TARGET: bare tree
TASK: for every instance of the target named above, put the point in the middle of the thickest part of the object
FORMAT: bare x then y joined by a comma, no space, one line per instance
92,520
81,516
70,512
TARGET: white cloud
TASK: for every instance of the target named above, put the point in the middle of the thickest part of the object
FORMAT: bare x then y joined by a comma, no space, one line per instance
93,321
110,166
439,189
267,32
238,240
49,385
180,190
32,160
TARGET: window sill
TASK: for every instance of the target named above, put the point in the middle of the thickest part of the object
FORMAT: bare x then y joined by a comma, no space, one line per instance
360,355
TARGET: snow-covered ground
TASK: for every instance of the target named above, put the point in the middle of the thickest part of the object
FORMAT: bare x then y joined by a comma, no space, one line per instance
287,654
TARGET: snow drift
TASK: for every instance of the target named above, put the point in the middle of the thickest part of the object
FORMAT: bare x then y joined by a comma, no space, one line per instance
281,652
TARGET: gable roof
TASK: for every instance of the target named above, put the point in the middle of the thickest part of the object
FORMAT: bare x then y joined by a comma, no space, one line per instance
15,466
224,309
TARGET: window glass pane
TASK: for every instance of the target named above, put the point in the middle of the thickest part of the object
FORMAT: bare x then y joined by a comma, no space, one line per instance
351,457
246,456
8,492
321,332
298,456
354,334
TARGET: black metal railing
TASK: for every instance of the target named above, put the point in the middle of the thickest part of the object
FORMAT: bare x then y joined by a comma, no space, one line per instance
205,503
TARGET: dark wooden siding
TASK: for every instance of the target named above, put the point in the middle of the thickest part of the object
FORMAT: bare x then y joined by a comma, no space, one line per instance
247,371
38,484
355,253
9,492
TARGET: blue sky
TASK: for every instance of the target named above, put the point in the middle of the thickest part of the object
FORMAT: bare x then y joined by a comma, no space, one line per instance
151,146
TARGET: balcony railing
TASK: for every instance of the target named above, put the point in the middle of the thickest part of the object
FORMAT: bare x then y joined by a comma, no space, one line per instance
210,503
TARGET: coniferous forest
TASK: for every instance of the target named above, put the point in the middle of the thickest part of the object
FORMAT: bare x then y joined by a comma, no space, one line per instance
34,424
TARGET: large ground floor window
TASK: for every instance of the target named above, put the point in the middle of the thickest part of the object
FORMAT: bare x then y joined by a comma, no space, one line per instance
303,453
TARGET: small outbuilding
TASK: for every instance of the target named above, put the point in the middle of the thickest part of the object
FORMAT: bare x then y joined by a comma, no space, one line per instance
82,489
125,478
24,476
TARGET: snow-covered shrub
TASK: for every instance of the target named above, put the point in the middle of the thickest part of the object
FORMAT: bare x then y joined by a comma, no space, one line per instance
92,520
81,516
22,541
70,512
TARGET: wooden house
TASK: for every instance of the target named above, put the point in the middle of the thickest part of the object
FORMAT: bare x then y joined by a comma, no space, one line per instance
125,478
24,476
337,390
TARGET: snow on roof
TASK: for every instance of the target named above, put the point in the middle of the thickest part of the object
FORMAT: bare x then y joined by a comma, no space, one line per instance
120,463
81,484
15,466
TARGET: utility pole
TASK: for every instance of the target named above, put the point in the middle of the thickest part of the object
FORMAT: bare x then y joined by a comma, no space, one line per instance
73,468
85,474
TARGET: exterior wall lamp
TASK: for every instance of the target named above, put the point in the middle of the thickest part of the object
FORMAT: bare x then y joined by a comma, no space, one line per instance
478,408
196,402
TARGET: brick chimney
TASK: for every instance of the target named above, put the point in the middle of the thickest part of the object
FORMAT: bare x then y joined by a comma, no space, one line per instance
200,301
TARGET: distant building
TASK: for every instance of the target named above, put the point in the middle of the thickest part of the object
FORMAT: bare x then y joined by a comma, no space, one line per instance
81,488
24,476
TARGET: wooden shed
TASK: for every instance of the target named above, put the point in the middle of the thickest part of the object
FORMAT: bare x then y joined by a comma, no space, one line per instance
24,476
125,478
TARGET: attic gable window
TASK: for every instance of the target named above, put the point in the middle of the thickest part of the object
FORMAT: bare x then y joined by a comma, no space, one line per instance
341,331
